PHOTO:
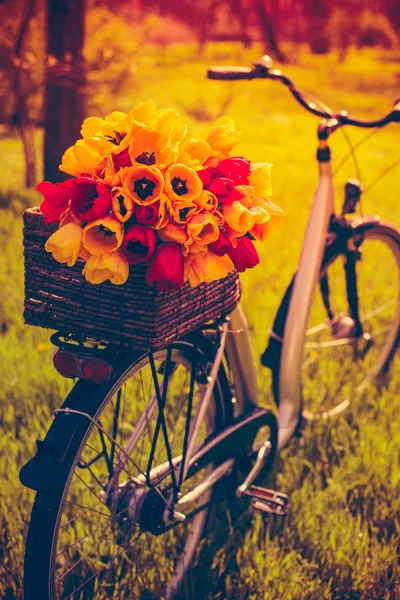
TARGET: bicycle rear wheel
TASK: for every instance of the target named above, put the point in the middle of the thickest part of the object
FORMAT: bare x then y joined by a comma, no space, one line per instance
339,359
101,533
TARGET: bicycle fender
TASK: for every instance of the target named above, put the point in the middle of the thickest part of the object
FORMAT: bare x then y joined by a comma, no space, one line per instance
52,461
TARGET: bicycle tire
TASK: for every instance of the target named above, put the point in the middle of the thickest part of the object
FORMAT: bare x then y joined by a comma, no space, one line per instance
44,527
389,238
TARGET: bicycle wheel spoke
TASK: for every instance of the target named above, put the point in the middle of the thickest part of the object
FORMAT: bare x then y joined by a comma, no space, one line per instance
108,512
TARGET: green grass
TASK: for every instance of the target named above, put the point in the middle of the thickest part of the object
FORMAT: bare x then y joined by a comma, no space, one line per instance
342,537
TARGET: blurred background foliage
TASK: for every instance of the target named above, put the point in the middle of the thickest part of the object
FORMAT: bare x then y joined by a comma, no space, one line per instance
121,38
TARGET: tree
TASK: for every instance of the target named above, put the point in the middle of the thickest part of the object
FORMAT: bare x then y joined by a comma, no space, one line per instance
65,80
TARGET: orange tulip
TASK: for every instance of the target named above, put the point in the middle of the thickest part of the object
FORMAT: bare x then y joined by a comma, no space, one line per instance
145,184
103,235
122,204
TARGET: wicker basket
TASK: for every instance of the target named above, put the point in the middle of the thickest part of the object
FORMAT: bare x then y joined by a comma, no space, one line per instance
59,297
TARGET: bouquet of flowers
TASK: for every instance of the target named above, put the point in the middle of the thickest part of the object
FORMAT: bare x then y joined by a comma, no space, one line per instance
145,191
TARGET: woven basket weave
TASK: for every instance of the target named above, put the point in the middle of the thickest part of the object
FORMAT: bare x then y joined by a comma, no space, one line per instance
59,297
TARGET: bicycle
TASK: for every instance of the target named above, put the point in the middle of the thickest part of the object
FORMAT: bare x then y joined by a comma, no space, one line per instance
125,488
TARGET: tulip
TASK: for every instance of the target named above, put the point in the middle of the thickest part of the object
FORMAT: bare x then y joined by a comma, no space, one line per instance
194,153
202,229
235,168
139,244
223,137
121,160
106,173
207,267
260,178
147,215
56,198
206,201
89,199
80,159
165,267
244,256
65,244
222,245
111,265
261,231
122,204
103,235
145,184
207,175
182,183
238,217
181,210
68,217
173,233
154,215
150,148
225,190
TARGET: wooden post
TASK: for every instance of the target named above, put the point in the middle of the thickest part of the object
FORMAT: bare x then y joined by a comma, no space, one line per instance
65,81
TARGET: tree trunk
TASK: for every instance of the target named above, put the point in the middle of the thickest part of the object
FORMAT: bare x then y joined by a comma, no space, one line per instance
65,81
21,91
269,34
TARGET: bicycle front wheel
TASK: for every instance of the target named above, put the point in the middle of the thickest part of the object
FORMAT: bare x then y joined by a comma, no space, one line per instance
101,534
341,359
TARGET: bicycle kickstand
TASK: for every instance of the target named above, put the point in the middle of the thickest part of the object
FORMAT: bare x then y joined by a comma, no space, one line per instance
261,498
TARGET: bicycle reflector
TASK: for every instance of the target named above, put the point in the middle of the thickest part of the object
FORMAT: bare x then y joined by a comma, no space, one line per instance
71,365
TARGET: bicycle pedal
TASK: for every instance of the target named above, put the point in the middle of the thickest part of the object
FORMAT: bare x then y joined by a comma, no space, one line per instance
266,500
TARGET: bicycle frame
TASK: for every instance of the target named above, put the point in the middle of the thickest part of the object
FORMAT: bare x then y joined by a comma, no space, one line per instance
238,344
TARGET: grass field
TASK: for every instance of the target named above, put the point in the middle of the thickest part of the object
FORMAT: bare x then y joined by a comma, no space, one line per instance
342,538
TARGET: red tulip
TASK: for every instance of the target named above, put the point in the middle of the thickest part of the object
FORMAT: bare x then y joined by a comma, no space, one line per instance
165,267
147,215
244,256
221,246
139,244
235,168
90,200
122,159
206,175
56,198
225,190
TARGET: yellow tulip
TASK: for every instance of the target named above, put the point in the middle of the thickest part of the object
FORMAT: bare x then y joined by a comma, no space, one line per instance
180,211
207,267
261,215
182,183
145,184
112,266
202,229
207,201
143,113
260,178
171,124
150,148
106,173
122,204
261,231
65,244
80,159
194,153
248,195
223,137
108,135
173,233
238,217
103,235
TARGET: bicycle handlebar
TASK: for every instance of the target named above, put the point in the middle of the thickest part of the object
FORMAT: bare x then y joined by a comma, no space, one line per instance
262,69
